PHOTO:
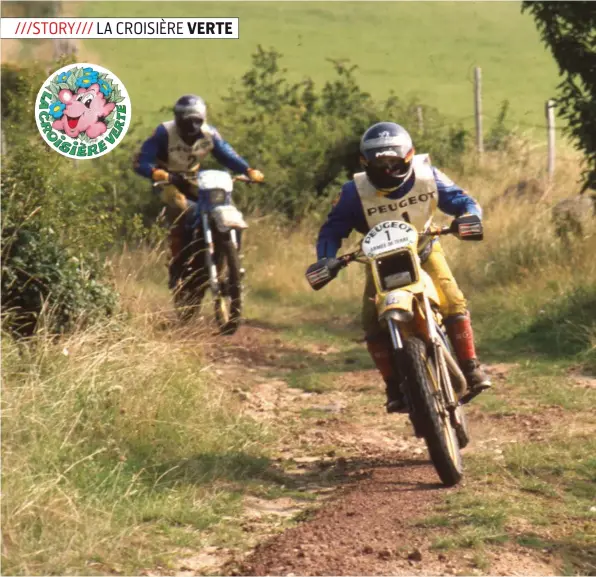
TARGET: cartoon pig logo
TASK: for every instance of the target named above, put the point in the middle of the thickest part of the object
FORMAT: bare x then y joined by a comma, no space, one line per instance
84,112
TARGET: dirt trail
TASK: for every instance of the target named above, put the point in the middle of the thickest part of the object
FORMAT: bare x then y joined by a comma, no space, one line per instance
378,490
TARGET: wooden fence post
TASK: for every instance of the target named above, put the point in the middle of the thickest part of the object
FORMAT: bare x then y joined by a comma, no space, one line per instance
550,131
478,109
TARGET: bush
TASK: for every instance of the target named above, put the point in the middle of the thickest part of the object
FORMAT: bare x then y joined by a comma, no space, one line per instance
56,223
307,141
40,275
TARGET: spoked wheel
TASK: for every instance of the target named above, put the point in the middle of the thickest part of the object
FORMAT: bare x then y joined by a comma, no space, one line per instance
433,417
228,304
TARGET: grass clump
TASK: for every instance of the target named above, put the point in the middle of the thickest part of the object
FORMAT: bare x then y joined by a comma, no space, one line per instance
117,450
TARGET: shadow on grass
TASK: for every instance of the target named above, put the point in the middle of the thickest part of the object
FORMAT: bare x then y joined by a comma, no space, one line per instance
577,558
345,326
239,468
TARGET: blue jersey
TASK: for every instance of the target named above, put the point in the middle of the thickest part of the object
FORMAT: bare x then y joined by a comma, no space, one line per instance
154,152
348,215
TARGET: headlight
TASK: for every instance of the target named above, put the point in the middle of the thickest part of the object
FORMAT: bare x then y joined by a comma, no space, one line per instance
217,196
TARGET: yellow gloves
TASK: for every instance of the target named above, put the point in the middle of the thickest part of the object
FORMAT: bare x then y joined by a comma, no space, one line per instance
159,175
170,195
255,175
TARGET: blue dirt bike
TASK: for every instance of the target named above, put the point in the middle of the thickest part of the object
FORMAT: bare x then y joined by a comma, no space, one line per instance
212,258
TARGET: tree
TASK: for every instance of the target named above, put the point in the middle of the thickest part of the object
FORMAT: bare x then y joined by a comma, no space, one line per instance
569,30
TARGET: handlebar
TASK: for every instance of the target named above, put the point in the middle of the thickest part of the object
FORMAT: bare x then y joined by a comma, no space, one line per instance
346,259
437,231
236,178
466,227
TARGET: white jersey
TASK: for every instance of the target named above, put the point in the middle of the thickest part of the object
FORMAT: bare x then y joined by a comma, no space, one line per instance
416,207
184,157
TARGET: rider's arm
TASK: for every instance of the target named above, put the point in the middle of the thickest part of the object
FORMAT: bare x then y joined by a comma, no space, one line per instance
226,155
154,148
345,216
453,200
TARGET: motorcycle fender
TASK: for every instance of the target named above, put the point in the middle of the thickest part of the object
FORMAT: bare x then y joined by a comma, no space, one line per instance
396,302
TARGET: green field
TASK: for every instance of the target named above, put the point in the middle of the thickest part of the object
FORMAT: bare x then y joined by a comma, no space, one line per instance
428,49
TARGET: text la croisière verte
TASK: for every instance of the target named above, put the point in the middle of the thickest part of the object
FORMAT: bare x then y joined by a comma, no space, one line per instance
78,148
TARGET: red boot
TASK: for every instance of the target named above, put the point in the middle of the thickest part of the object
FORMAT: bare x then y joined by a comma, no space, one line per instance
459,329
380,352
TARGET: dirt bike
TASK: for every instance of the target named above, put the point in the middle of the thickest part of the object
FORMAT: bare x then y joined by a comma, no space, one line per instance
408,305
212,258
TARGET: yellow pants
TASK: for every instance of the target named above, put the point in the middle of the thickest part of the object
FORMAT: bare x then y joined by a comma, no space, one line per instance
451,298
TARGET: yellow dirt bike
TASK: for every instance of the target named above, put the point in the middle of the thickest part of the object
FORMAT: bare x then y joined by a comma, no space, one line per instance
408,305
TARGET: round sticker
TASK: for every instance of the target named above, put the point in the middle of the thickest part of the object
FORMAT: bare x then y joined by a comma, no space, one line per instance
83,111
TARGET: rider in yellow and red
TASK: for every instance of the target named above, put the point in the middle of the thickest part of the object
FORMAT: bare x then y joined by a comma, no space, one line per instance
398,184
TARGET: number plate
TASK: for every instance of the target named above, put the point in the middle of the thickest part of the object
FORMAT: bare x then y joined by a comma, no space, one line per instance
227,217
387,236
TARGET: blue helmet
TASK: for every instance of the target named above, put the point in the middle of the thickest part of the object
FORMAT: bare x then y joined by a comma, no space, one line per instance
387,151
190,113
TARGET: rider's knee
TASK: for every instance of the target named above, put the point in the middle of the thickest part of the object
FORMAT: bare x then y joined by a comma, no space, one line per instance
455,301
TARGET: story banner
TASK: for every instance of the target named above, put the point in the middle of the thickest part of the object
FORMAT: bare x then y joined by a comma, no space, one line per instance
97,28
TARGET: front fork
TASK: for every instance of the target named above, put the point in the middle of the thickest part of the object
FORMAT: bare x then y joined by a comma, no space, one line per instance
210,253
445,391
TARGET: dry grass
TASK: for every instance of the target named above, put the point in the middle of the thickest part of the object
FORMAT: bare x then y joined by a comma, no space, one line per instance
119,447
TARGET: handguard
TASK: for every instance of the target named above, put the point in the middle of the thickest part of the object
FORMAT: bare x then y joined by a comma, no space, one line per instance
322,272
468,227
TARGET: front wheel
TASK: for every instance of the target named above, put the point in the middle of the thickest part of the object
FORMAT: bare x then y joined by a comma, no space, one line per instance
431,415
228,304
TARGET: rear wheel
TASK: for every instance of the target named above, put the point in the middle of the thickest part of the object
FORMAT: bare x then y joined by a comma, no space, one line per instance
432,416
228,304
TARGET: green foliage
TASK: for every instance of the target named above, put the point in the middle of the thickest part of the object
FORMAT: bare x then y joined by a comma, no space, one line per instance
56,223
569,30
19,89
40,275
307,141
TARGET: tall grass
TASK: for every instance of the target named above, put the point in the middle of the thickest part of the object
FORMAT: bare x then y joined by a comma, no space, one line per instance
116,445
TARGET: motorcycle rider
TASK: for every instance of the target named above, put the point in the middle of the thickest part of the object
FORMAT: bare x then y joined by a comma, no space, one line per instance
399,184
173,154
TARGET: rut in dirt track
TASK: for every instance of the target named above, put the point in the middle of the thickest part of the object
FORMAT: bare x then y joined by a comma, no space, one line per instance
372,523
363,531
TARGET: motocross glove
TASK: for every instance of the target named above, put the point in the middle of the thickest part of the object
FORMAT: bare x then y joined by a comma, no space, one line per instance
255,175
468,227
322,272
159,175
171,196
178,181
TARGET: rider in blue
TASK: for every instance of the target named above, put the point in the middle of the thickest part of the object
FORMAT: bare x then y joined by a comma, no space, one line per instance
398,184
173,154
